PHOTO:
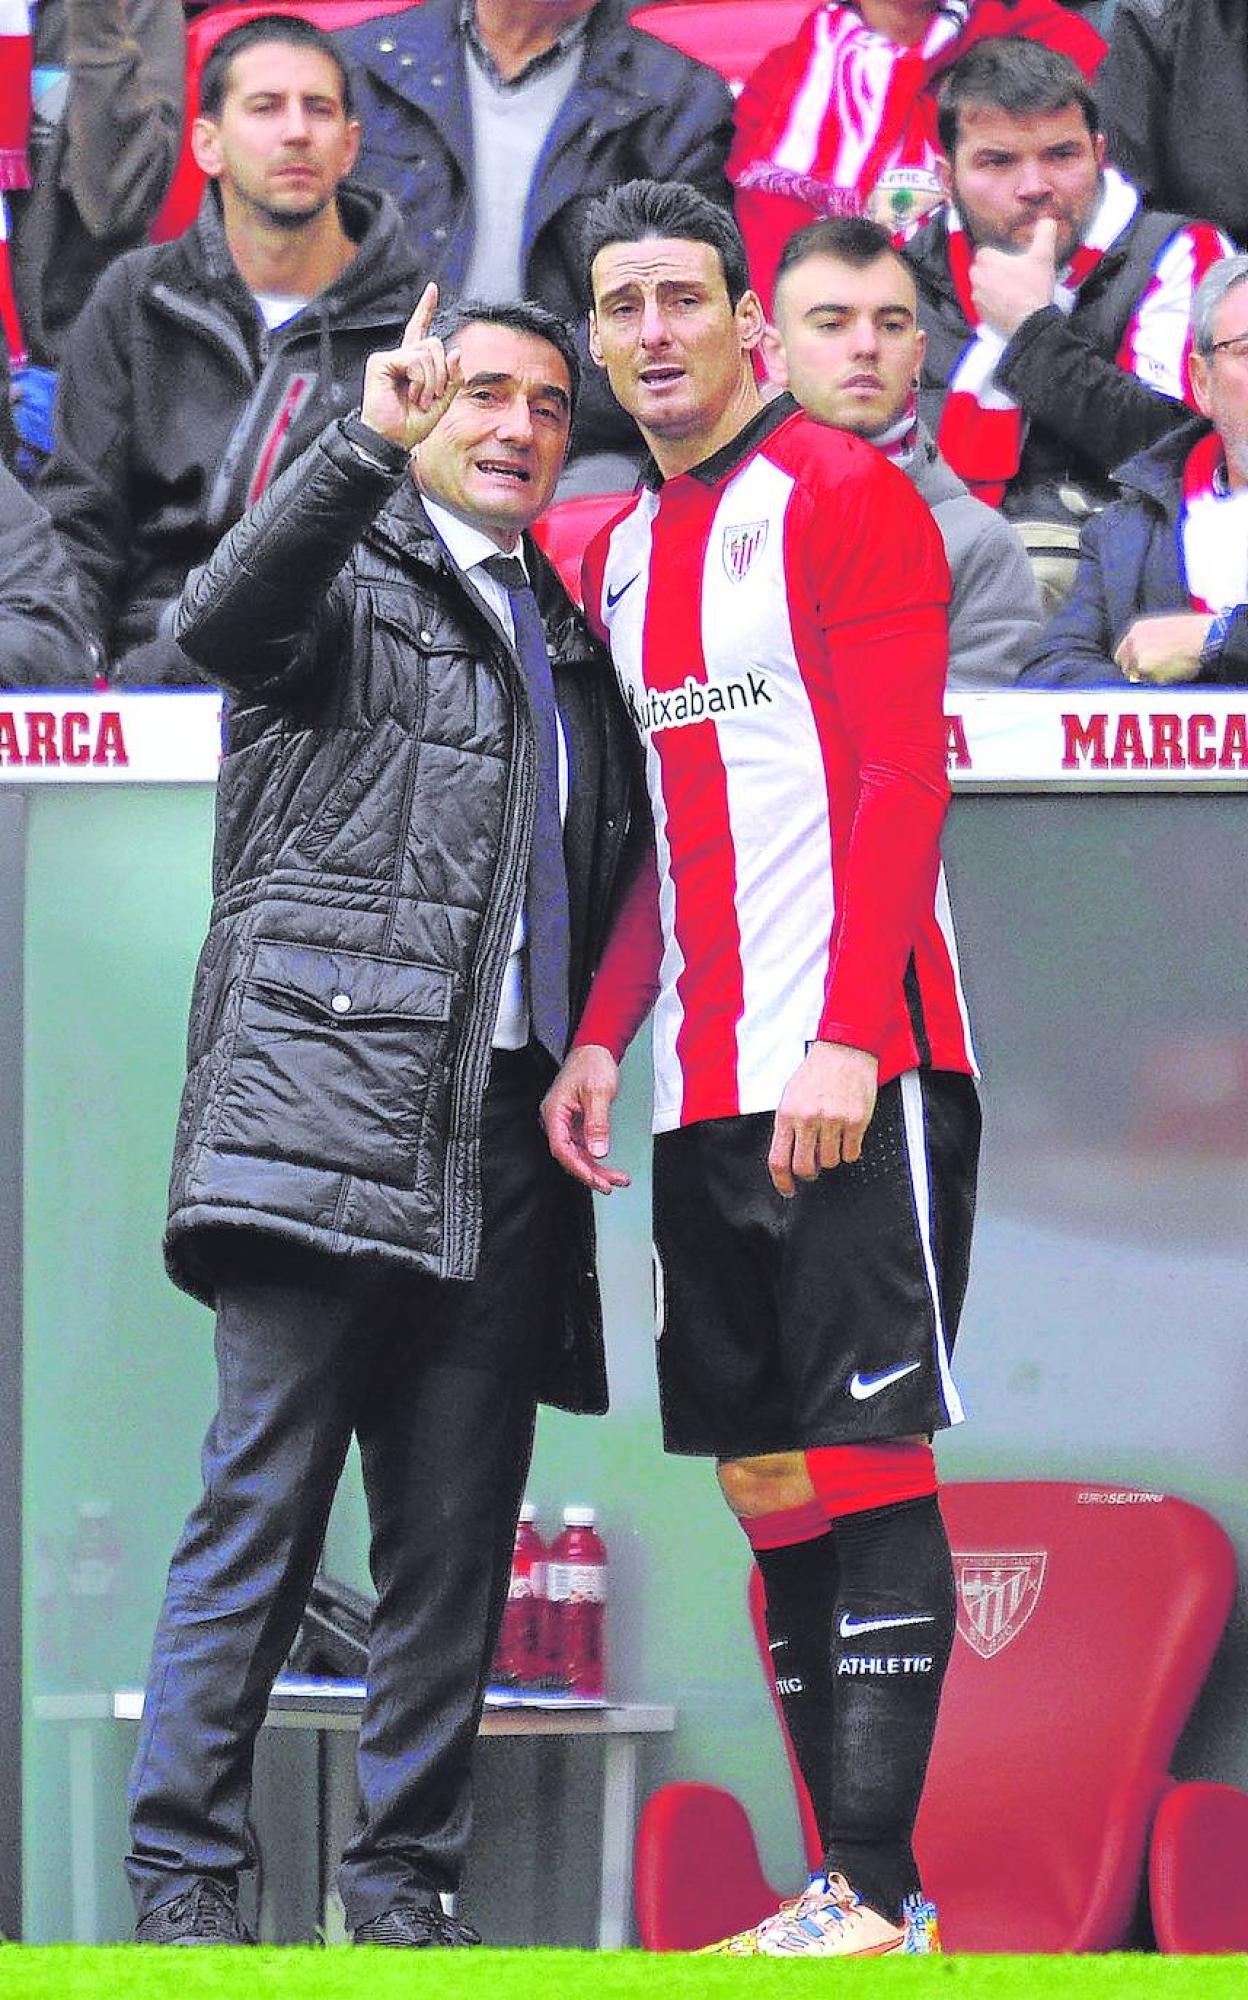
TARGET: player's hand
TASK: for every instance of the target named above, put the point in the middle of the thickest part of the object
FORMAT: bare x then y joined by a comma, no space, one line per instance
1007,286
576,1114
1165,649
823,1115
408,390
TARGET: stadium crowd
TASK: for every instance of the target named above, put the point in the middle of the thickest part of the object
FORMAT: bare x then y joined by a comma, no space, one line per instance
1055,232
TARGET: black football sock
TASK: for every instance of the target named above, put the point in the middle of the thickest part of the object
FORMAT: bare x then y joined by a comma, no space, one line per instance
800,1586
892,1633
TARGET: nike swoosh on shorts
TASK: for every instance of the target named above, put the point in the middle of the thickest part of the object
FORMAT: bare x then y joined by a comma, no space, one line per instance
863,1386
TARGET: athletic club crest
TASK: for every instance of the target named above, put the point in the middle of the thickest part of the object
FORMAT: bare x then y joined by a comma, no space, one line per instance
741,545
997,1593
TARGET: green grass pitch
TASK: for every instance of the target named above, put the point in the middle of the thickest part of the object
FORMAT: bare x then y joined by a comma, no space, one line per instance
128,1972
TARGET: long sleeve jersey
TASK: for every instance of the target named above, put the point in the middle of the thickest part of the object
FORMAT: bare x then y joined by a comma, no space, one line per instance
778,621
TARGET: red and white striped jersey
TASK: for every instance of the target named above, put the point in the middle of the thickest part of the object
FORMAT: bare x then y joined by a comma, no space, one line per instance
777,617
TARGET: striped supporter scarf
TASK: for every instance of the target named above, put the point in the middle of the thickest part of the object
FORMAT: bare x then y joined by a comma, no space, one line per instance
981,428
1213,531
898,441
850,103
15,102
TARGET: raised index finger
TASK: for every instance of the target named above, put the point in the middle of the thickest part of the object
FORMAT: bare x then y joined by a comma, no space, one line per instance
422,314
1044,238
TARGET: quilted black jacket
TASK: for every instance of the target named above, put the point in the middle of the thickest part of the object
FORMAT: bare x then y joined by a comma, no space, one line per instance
374,816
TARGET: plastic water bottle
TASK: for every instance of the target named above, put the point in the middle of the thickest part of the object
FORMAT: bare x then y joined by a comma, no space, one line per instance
576,1589
520,1658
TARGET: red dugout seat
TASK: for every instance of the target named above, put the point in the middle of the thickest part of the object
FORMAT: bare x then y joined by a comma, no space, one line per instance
1087,1619
565,531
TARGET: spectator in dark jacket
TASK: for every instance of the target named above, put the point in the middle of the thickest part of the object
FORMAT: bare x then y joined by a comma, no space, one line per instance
493,124
203,366
1174,93
43,642
1161,594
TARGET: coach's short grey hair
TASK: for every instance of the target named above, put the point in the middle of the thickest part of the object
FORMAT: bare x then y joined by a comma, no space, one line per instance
1218,280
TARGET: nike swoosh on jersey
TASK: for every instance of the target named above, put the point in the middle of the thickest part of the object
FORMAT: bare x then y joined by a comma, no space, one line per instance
614,596
863,1386
850,1628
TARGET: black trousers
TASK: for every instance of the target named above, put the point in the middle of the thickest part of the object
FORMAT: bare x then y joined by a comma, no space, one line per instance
437,1382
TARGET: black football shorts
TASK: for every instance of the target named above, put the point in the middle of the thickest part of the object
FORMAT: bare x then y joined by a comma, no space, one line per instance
827,1319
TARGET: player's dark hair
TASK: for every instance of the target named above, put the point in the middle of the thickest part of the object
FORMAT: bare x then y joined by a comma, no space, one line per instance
1015,75
519,316
852,239
639,209
291,30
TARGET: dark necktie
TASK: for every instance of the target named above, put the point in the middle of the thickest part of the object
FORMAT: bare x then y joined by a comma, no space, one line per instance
547,906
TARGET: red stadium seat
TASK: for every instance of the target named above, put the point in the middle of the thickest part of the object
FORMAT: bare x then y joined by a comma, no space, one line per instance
731,36
181,203
565,531
1197,1880
1087,1619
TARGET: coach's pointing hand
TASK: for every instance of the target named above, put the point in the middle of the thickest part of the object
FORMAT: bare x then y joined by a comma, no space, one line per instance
825,1110
408,390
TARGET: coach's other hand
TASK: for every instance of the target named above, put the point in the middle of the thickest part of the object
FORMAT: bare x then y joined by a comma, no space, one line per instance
576,1114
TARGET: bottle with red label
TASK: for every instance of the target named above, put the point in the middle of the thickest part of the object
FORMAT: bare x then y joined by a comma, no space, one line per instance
520,1659
576,1592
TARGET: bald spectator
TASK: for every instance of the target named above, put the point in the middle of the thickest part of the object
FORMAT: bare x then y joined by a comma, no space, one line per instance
842,121
1174,93
494,122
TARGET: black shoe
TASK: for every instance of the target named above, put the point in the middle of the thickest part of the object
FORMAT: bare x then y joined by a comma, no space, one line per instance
206,1913
415,1924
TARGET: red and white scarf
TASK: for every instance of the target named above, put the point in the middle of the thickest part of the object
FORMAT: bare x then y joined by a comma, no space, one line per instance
898,441
1213,531
981,428
15,103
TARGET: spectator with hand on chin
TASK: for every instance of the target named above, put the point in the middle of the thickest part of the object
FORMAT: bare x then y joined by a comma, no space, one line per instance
1056,307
